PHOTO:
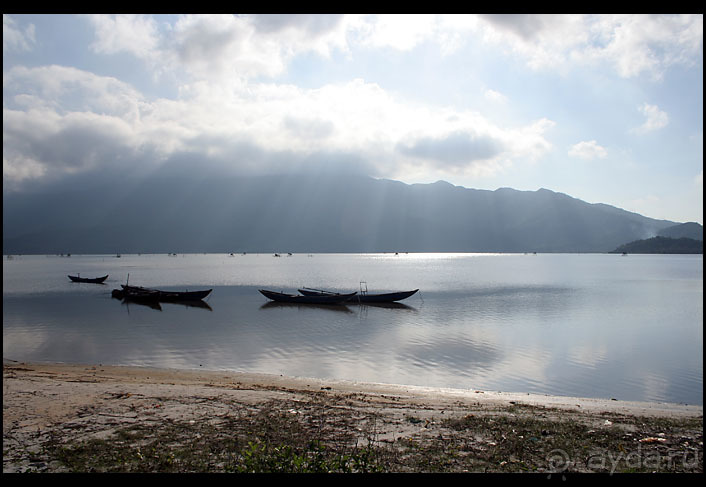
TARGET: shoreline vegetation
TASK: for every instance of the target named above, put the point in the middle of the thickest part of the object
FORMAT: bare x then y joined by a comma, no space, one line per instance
662,245
99,418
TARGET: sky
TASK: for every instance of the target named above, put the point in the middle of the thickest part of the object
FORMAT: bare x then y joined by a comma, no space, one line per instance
604,108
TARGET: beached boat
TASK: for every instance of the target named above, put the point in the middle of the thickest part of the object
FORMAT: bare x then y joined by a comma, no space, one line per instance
302,299
167,296
94,280
363,296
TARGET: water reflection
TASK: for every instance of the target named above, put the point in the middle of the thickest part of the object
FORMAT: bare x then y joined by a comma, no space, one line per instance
364,306
568,325
326,307
155,305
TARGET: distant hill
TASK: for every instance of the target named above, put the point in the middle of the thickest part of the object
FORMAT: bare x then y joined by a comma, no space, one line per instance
663,245
685,230
187,209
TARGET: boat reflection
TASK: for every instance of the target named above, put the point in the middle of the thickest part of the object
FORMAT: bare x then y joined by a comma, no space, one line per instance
150,304
386,306
192,304
331,307
156,304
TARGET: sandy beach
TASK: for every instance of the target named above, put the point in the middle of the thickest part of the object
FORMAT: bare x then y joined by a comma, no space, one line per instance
51,406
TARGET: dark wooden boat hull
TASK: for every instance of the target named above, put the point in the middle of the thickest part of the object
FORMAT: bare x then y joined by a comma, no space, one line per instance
386,297
301,299
168,296
365,297
95,280
135,296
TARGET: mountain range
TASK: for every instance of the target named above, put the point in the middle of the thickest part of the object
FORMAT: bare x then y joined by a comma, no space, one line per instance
175,210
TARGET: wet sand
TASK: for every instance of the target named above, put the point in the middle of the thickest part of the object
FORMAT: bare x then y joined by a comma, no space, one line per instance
50,400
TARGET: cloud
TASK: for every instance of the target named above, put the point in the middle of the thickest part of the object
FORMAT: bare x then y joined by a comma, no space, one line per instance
588,150
456,148
655,119
541,41
637,44
41,144
135,34
400,32
632,45
309,29
526,26
227,99
67,89
14,38
219,47
308,127
495,96
60,121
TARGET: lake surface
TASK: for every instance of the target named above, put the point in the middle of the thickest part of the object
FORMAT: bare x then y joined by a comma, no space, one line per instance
590,325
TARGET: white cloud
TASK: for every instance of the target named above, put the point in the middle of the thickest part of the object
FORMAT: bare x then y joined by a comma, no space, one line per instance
632,44
17,168
42,143
101,119
66,89
588,150
495,96
224,46
542,41
135,34
63,120
219,47
401,32
638,44
655,119
14,38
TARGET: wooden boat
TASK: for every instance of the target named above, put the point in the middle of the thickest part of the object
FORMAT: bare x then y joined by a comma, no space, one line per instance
167,296
135,295
364,296
143,299
302,299
94,280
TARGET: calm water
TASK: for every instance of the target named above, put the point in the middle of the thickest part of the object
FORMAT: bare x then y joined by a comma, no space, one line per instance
589,325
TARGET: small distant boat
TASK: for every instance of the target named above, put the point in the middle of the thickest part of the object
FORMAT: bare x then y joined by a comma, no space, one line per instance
94,280
364,296
167,296
303,299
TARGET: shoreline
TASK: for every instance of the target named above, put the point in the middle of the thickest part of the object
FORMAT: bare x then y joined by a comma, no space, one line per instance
222,378
46,403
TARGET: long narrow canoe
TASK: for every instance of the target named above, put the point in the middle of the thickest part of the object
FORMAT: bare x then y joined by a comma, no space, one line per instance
168,296
364,297
301,299
94,280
